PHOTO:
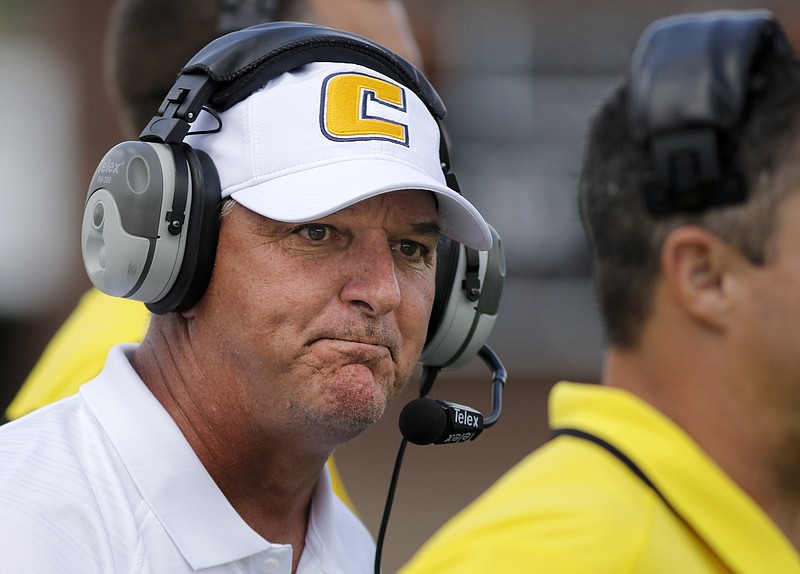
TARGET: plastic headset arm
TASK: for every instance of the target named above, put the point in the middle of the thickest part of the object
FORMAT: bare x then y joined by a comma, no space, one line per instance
179,108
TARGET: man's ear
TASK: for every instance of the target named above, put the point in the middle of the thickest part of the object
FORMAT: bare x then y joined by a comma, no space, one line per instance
697,267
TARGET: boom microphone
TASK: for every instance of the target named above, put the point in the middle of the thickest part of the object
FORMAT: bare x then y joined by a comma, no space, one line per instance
428,421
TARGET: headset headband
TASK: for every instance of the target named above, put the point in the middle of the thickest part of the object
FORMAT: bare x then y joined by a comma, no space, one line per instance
233,66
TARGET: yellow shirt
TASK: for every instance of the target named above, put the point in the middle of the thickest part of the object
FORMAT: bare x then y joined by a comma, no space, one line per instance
573,507
77,353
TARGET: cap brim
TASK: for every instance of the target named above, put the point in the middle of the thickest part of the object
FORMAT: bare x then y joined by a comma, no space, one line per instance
318,191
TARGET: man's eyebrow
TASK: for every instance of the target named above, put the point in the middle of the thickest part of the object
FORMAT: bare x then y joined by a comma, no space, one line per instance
427,228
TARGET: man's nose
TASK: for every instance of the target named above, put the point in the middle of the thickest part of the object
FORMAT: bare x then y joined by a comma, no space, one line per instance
372,277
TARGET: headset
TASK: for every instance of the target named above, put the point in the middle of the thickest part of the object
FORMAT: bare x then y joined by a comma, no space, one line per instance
692,77
150,223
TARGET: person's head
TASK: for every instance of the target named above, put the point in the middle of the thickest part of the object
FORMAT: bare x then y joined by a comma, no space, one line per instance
626,238
149,40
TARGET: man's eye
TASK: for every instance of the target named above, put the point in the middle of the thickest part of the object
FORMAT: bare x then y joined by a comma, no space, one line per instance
412,249
314,232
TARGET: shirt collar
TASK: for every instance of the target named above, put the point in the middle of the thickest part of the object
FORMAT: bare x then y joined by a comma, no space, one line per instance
318,555
722,514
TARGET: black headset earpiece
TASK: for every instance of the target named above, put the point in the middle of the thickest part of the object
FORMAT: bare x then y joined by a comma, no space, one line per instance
151,219
691,78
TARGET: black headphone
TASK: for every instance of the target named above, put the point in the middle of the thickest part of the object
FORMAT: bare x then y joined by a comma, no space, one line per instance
691,82
150,224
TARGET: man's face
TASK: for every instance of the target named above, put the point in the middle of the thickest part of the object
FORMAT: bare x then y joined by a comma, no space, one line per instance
317,326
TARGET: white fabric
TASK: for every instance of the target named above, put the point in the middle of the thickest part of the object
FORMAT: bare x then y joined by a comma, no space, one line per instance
104,482
298,149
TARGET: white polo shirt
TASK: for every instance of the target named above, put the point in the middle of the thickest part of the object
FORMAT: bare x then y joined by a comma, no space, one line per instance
104,482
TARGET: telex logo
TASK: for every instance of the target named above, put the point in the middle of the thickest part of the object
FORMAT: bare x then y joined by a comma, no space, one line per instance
466,418
459,437
111,167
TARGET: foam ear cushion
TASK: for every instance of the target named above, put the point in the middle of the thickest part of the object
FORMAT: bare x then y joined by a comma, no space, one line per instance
202,231
447,252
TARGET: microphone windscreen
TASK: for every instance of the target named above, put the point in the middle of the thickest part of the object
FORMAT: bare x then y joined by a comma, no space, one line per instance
423,421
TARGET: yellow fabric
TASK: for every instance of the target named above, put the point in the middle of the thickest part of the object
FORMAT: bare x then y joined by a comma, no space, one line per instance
571,507
77,352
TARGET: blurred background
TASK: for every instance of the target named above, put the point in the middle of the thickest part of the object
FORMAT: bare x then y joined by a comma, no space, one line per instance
520,79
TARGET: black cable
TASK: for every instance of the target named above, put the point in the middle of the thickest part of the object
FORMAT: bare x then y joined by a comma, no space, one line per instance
426,383
388,508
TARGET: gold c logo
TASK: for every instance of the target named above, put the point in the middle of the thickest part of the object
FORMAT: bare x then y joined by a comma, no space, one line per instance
344,115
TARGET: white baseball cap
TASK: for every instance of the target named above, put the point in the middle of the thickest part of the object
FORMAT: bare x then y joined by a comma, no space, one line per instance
327,135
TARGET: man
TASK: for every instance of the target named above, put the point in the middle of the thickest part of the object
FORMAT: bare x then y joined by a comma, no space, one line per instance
205,446
687,457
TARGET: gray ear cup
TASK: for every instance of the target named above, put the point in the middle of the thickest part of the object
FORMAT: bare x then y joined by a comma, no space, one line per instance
469,288
128,249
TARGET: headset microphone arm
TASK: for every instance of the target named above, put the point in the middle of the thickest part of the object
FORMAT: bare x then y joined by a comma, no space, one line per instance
499,377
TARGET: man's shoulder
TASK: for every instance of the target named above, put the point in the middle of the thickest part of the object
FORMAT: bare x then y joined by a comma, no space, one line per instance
567,507
574,483
60,443
58,485
54,421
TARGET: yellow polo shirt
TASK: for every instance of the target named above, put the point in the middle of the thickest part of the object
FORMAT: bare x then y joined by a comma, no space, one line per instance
573,507
77,353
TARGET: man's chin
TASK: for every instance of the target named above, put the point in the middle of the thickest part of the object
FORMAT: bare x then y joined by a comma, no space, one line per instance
342,406
340,426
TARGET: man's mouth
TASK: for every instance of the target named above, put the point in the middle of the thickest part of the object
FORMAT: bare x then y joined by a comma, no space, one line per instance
356,348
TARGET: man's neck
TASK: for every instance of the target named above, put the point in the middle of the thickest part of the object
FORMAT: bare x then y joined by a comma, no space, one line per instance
746,438
268,479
